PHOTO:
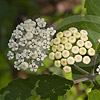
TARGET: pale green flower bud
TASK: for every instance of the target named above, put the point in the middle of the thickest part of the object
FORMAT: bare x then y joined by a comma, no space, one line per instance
84,37
65,53
58,55
60,47
24,65
77,35
29,36
59,35
88,44
52,56
57,41
73,30
68,46
67,69
54,48
51,42
64,62
80,43
57,63
70,60
72,39
64,40
91,52
75,49
67,33
82,51
78,58
84,32
86,59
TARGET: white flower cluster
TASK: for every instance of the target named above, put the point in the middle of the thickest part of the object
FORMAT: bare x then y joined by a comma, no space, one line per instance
71,46
29,44
98,69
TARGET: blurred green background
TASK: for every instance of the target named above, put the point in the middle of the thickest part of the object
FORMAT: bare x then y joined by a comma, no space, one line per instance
12,12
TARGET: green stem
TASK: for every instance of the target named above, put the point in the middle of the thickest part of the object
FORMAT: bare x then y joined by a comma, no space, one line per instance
81,70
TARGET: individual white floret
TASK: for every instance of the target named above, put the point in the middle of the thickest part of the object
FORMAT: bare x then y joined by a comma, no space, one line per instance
84,37
60,47
82,51
88,44
64,40
32,23
70,60
80,43
20,56
24,65
99,40
54,48
28,28
46,44
29,35
91,52
67,69
27,21
86,60
52,55
64,62
22,41
59,35
57,41
72,39
10,55
98,69
77,35
75,49
73,30
84,32
51,31
14,46
38,31
17,65
78,58
58,55
65,53
67,33
68,46
57,63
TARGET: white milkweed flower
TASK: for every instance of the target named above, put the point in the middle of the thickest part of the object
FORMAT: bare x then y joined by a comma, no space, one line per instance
57,41
10,55
73,30
84,32
77,35
68,46
84,37
65,53
29,44
64,40
78,58
29,35
70,60
24,65
52,55
88,44
99,40
91,52
75,49
58,55
64,62
82,51
98,69
72,39
57,63
67,33
59,35
80,43
67,69
60,47
86,59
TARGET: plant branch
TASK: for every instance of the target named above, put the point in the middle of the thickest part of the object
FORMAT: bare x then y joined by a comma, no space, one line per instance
95,57
81,70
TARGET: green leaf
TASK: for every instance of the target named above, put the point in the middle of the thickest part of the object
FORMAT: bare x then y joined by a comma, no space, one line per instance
40,87
94,95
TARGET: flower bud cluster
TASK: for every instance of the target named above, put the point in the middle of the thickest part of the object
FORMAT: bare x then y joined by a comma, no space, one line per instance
29,44
71,46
